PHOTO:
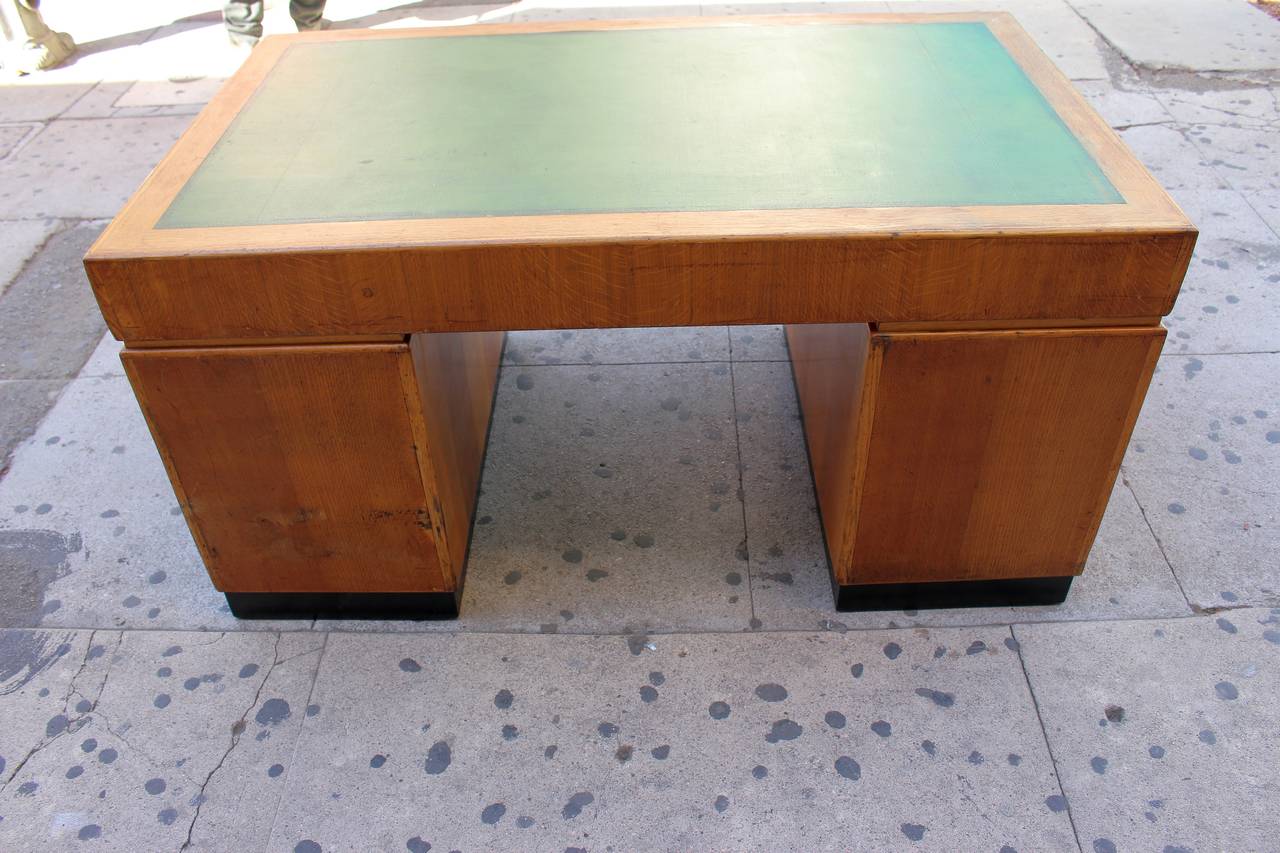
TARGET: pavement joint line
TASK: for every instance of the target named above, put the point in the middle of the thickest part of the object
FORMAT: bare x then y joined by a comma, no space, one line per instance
644,363
1053,761
1164,555
33,130
737,632
1213,354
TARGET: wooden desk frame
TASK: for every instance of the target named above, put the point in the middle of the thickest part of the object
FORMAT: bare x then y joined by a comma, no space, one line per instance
943,359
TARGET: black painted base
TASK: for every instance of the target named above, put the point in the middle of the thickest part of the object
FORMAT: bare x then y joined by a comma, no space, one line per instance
415,606
940,594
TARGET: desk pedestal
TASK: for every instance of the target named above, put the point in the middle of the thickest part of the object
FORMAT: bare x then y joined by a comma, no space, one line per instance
952,468
965,468
326,479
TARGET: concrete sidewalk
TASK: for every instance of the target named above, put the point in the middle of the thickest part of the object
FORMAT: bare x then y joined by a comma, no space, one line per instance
579,703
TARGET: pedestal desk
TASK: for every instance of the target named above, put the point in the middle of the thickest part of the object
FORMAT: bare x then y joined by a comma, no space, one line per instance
314,285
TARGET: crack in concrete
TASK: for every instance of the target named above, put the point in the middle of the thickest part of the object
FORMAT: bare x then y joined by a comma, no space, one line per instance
237,729
111,662
1165,123
84,662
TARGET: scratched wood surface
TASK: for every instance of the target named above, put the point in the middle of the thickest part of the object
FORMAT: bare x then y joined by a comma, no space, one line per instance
324,468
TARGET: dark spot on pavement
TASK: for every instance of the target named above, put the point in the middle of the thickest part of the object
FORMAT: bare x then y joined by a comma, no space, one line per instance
848,768
272,712
942,700
784,730
771,692
438,758
576,804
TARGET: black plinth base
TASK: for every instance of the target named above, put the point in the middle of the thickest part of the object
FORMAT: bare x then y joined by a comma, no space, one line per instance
934,596
416,606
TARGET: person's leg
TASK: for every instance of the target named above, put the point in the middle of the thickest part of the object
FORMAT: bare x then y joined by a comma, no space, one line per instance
44,48
307,14
243,19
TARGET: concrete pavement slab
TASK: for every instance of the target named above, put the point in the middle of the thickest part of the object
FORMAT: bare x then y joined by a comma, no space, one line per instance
49,319
1126,574
1177,164
23,402
617,346
22,239
153,740
37,674
13,134
1223,102
1248,158
37,98
1163,732
758,343
1204,463
1197,35
84,168
883,740
1123,106
1230,298
195,58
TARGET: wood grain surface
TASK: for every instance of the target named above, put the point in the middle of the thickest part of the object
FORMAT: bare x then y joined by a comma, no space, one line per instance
301,468
975,455
452,387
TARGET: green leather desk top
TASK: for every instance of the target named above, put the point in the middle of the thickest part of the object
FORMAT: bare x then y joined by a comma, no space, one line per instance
763,117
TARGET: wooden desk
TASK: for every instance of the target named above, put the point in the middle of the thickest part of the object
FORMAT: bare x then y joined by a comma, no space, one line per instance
314,284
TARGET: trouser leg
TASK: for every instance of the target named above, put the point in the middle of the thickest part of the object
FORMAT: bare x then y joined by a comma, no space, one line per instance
306,14
32,23
243,19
